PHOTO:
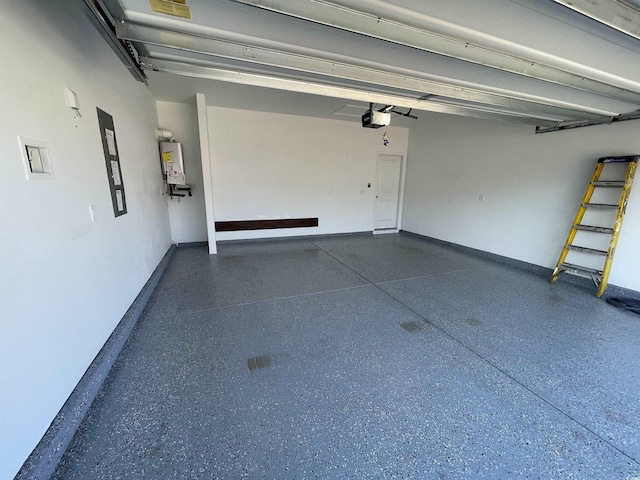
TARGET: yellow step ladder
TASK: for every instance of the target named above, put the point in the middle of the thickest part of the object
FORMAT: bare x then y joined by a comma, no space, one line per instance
599,276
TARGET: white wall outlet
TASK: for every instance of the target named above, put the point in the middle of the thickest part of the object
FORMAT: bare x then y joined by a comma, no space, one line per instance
92,212
481,197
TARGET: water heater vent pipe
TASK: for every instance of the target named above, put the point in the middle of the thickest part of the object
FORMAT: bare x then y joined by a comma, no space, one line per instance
164,134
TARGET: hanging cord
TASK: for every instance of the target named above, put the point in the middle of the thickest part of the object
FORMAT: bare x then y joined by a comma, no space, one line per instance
626,303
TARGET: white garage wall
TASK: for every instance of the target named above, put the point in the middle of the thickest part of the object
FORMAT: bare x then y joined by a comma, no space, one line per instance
65,281
275,166
533,185
187,214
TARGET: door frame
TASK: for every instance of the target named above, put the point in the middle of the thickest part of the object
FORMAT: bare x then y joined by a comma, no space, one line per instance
400,205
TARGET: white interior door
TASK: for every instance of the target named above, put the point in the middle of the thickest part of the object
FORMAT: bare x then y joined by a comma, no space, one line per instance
387,192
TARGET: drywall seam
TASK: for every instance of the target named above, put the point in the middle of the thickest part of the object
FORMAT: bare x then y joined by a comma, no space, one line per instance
44,459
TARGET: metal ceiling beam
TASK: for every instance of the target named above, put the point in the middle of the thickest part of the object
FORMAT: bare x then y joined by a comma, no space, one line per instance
101,21
616,14
538,108
113,8
567,126
497,109
416,36
244,78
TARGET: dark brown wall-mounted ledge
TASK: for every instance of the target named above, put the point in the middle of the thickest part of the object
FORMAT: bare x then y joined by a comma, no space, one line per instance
235,226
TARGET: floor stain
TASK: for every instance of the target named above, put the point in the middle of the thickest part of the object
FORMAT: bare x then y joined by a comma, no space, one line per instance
328,345
474,322
412,327
614,416
556,298
259,362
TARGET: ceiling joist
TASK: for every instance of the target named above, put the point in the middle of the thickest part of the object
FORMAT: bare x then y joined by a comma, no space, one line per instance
438,62
536,107
375,24
246,78
624,17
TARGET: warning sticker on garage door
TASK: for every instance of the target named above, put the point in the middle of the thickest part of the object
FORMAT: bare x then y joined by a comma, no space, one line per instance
177,8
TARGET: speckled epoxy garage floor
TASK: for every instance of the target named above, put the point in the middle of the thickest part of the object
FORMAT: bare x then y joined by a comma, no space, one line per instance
365,357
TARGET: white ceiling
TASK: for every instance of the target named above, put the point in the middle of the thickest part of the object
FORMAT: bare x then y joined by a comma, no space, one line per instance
528,61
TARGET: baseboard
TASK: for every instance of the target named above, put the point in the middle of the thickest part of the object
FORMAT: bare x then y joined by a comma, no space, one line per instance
42,462
612,290
291,237
191,244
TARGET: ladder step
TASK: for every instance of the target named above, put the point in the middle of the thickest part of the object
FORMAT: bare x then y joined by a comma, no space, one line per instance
603,206
599,277
590,228
603,183
586,250
577,269
621,159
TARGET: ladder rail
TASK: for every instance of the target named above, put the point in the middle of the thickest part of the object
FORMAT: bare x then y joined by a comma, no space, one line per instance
622,208
577,220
